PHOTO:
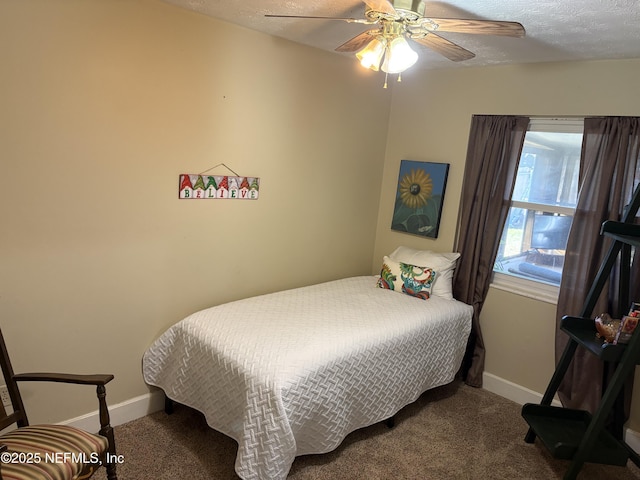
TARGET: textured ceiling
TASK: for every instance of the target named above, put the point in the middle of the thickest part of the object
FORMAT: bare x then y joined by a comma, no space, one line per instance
556,30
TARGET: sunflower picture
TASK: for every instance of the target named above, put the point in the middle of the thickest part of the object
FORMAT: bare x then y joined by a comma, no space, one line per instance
419,197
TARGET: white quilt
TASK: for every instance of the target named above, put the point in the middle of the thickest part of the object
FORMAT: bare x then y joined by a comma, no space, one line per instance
293,372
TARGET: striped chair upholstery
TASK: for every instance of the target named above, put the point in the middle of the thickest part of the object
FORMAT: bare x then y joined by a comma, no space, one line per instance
51,452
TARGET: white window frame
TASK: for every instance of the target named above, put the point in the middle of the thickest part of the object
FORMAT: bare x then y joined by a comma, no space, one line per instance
538,290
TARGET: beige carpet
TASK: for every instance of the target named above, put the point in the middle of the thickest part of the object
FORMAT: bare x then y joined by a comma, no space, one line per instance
453,432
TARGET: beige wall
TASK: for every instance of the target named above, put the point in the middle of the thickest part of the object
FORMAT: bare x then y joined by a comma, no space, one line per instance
430,118
103,103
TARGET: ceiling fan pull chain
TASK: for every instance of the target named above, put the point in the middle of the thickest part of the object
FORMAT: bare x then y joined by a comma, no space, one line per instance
386,75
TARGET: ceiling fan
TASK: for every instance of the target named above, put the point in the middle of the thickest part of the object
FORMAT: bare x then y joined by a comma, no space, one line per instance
405,19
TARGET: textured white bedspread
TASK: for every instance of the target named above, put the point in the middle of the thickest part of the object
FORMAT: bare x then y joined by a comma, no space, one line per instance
293,372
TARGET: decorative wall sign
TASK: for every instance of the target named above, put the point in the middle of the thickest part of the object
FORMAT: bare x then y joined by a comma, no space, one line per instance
419,197
201,186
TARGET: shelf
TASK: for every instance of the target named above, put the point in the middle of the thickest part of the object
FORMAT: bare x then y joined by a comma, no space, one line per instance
574,434
561,431
623,232
583,331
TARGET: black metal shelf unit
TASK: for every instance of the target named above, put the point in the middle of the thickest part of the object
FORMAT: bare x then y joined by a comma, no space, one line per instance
577,435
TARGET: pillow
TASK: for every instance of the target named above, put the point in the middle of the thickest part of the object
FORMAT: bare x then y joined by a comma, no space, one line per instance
405,278
443,263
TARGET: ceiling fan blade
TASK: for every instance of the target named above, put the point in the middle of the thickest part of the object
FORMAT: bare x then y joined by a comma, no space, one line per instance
358,42
445,47
486,27
348,20
383,6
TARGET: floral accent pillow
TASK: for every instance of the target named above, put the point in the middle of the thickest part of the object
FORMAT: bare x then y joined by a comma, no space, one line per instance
443,263
405,278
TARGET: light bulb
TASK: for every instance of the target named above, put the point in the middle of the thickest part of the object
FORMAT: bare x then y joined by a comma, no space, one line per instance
371,55
399,57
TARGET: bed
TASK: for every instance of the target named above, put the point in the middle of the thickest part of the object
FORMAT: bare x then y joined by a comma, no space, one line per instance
293,372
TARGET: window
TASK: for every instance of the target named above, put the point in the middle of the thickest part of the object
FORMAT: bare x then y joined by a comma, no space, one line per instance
531,252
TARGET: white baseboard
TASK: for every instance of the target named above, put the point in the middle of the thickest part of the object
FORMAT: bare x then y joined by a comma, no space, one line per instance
632,438
521,395
512,391
121,412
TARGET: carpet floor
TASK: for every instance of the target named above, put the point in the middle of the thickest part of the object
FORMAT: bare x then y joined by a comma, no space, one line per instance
451,432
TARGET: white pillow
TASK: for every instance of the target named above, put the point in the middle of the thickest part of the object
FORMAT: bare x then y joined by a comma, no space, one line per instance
443,263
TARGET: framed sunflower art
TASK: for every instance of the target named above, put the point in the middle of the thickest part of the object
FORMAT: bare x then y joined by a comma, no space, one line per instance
419,197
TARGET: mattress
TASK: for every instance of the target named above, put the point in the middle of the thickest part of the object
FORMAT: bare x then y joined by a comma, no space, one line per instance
293,372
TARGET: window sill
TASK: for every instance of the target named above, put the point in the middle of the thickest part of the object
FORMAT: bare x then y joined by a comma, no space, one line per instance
526,288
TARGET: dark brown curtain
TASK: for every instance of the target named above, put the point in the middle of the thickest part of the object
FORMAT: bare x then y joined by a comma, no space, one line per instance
609,170
493,153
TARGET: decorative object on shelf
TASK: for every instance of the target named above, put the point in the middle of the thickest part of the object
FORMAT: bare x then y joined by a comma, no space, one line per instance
200,186
419,197
628,324
606,327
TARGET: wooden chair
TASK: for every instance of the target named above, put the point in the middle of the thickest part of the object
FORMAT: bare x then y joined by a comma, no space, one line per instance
52,451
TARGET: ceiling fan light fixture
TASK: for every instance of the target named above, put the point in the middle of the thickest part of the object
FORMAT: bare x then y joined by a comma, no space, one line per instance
399,56
371,55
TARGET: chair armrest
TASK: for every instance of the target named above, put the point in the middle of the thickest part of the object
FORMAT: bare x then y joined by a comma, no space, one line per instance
99,380
96,379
